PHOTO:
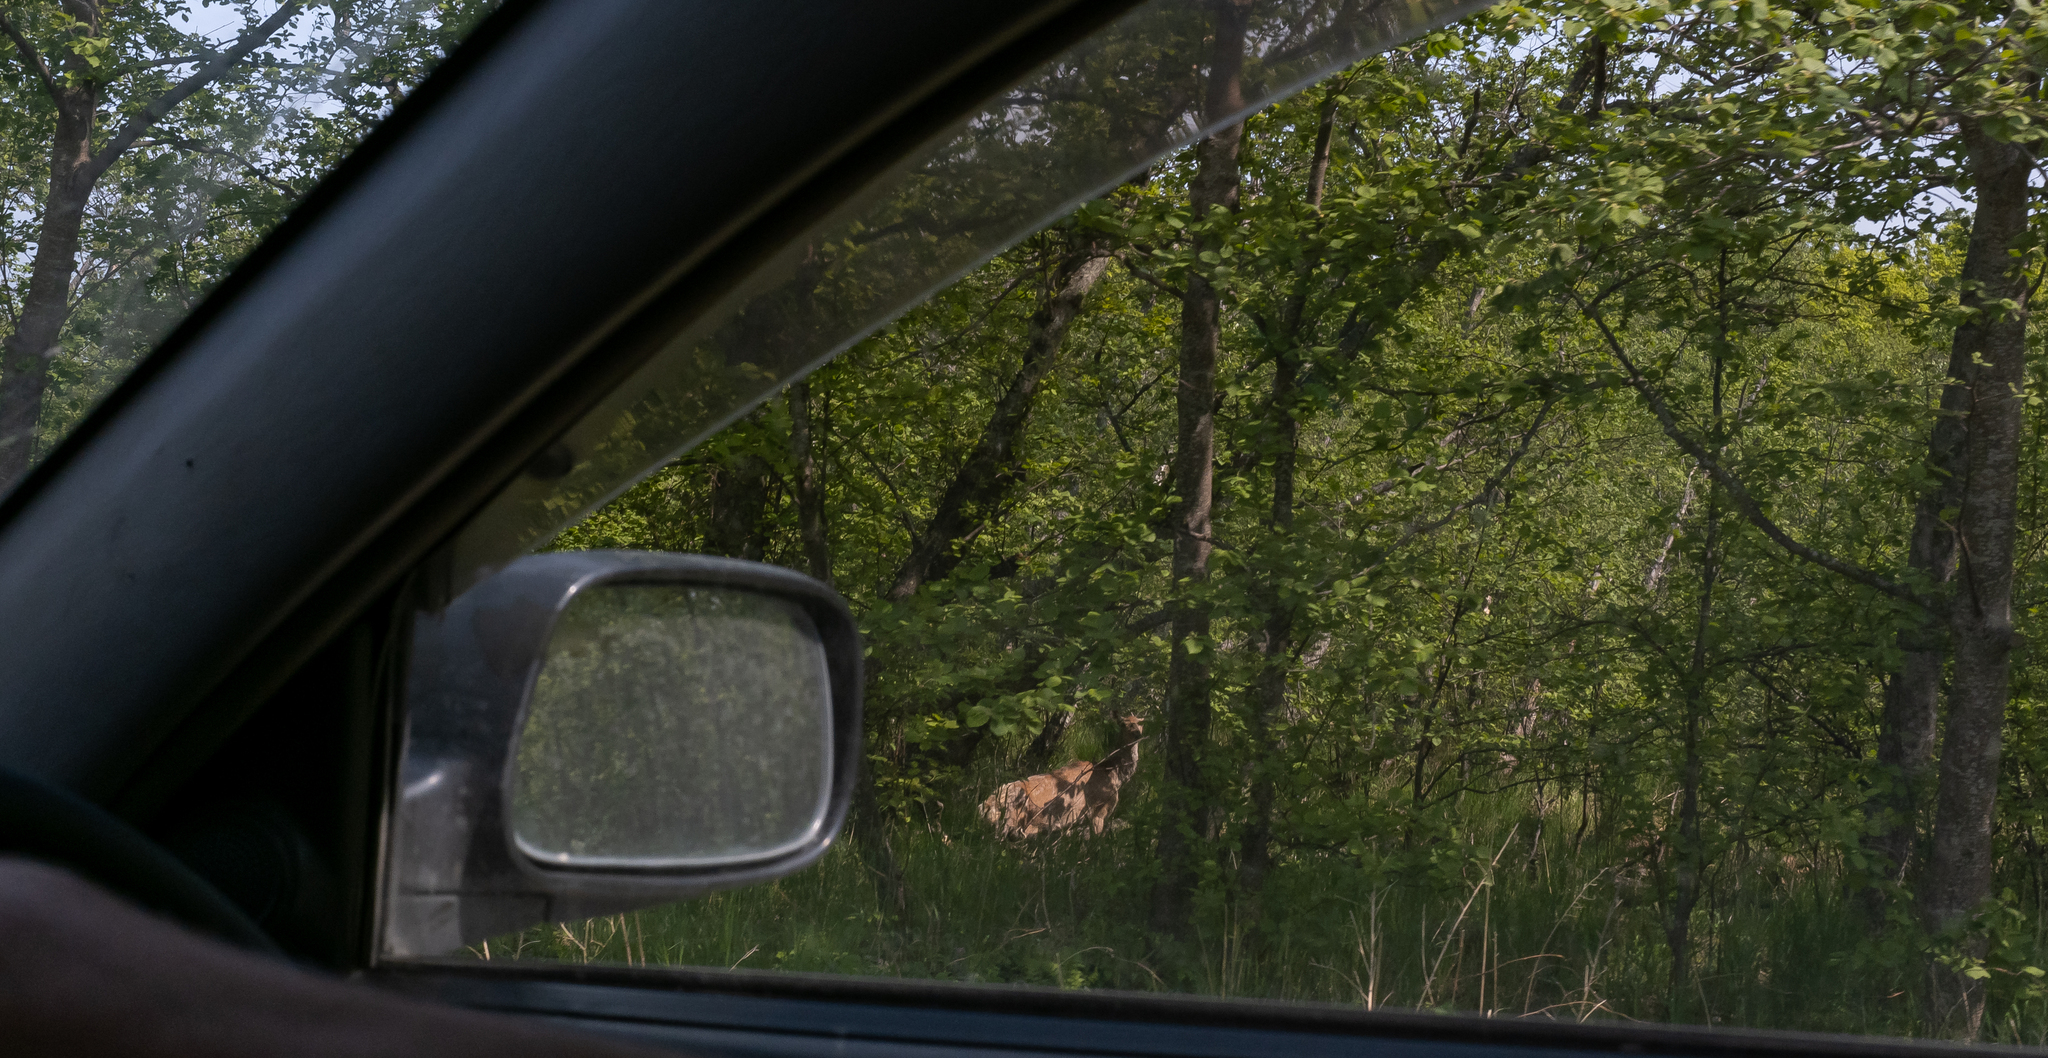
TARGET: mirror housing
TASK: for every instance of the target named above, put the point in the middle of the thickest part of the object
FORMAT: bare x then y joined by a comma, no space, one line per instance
454,870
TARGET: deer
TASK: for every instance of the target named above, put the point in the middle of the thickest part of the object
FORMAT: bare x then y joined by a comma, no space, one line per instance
1064,798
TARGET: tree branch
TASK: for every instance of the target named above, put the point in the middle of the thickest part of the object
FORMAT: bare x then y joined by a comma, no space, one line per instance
202,147
171,60
1738,493
29,55
142,120
1485,492
1148,277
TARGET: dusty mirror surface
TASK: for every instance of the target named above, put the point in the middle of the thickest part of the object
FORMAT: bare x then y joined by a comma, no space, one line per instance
674,725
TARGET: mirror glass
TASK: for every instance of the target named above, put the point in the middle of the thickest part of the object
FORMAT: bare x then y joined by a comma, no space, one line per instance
674,725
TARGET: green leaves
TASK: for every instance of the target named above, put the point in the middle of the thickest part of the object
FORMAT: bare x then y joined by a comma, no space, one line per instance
1474,620
180,204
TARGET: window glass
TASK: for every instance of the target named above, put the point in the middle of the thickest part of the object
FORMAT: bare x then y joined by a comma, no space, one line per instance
1069,131
147,147
1536,524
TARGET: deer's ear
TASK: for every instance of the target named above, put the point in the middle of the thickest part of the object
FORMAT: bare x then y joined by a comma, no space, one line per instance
593,732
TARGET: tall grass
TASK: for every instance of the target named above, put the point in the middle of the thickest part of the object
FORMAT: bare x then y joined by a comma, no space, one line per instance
1526,914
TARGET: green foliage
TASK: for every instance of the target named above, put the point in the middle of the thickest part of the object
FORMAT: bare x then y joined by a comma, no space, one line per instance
1563,728
179,208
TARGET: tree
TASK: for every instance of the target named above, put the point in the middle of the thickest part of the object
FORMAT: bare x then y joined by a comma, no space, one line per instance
149,155
1212,199
1563,460
1988,381
995,465
1696,195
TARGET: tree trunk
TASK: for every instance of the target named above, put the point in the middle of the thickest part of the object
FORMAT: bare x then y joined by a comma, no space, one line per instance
1906,728
1980,612
995,466
25,355
1654,579
1038,756
810,483
74,88
1276,644
739,501
1688,852
1276,640
1186,703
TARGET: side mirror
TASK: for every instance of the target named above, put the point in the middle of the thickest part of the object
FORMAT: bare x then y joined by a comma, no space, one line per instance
592,732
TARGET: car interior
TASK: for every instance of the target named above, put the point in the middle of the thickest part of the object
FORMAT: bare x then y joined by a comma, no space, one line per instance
274,611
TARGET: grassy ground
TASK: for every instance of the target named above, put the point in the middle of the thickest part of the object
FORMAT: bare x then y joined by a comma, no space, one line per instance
1520,918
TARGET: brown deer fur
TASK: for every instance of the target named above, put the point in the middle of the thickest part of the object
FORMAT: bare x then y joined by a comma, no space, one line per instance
1065,797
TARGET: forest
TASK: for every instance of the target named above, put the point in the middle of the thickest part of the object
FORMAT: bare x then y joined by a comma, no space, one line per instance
1542,522
1558,498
